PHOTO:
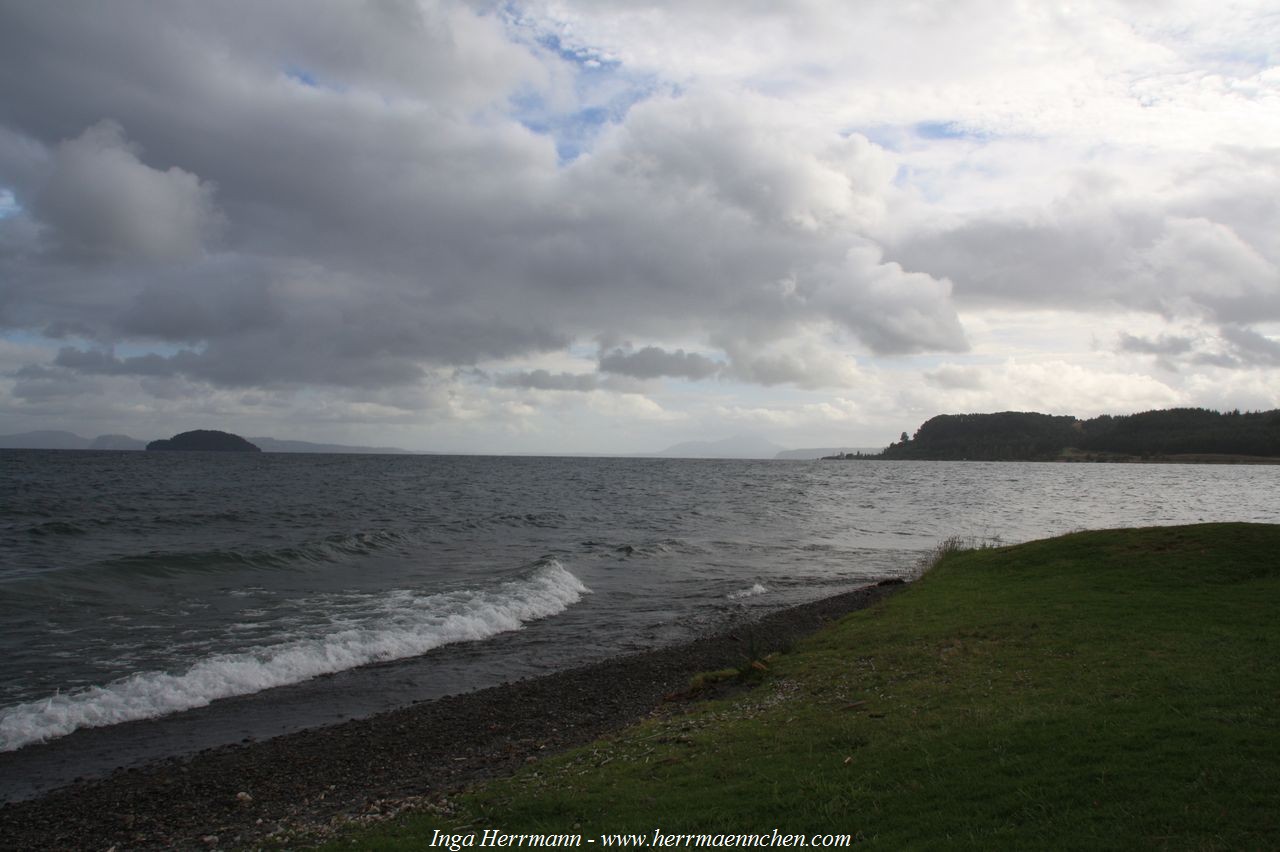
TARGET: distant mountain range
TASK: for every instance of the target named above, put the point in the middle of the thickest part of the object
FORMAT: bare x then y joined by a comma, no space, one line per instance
737,447
57,440
273,445
750,447
825,452
49,439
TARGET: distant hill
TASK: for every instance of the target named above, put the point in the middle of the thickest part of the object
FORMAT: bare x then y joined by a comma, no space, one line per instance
1176,433
45,439
203,440
49,439
737,447
824,452
116,442
272,445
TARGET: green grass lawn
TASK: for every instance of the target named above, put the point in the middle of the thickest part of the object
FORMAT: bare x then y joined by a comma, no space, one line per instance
1110,689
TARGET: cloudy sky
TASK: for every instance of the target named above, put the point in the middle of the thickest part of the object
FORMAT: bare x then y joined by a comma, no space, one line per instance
610,226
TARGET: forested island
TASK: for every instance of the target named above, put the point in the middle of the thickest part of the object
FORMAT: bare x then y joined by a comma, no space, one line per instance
205,440
1176,434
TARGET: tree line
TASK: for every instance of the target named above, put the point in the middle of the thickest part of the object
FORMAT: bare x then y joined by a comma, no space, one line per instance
1030,436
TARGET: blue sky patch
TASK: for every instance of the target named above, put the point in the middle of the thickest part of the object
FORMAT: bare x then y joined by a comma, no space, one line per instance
888,136
586,59
573,131
901,137
164,350
52,342
9,205
311,79
25,338
603,89
303,76
945,130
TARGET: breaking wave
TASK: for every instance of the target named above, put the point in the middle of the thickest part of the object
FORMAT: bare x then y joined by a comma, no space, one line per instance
752,592
407,625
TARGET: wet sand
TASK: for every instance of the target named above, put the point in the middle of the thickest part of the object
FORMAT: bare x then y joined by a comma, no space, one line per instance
307,781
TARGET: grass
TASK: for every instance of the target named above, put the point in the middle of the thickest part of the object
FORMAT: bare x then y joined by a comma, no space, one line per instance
1101,690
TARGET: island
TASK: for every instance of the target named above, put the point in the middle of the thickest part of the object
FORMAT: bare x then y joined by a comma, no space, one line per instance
205,440
56,440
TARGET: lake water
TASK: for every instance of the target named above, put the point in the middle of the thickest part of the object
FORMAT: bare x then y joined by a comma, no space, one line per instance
225,596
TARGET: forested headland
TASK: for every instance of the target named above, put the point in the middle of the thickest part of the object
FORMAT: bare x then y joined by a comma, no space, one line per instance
1176,434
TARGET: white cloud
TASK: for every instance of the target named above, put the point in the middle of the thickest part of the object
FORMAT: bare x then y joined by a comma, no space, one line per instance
808,361
450,217
839,412
630,406
1052,387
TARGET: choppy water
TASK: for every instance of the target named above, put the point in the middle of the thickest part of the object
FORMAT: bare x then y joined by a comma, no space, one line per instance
283,591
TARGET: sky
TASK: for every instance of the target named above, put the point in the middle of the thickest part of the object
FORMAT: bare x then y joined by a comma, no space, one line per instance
607,227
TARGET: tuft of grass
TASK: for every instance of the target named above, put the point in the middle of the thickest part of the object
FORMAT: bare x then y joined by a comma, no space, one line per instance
1100,690
705,680
950,546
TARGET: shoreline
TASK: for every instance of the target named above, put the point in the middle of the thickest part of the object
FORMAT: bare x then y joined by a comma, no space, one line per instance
1224,459
306,781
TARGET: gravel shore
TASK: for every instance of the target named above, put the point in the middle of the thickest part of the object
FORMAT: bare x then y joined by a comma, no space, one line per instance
237,796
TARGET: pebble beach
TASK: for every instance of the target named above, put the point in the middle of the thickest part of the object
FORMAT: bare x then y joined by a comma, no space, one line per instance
305,785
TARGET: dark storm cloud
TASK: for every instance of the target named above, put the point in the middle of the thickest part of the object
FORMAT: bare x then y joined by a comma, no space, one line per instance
1217,359
652,362
544,380
107,364
101,202
1252,348
38,384
1231,347
334,193
1198,252
1165,344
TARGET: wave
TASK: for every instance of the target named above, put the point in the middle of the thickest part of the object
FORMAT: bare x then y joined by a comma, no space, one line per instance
548,520
165,564
56,528
200,519
649,548
408,625
752,592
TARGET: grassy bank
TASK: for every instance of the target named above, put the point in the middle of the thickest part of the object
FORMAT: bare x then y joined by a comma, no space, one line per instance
1099,690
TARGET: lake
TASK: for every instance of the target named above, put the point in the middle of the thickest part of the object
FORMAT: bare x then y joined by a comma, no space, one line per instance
226,596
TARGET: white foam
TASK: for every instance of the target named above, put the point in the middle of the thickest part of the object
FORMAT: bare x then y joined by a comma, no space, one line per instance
409,625
757,589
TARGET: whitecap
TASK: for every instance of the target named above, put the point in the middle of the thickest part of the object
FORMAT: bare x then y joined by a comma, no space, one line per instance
752,592
409,624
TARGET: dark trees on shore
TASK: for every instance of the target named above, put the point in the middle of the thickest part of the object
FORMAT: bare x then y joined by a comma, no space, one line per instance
205,440
1029,436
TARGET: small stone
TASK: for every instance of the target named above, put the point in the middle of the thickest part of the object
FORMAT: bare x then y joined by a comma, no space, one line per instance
244,798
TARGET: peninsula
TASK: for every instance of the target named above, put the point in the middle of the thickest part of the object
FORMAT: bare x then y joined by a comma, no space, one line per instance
1170,435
